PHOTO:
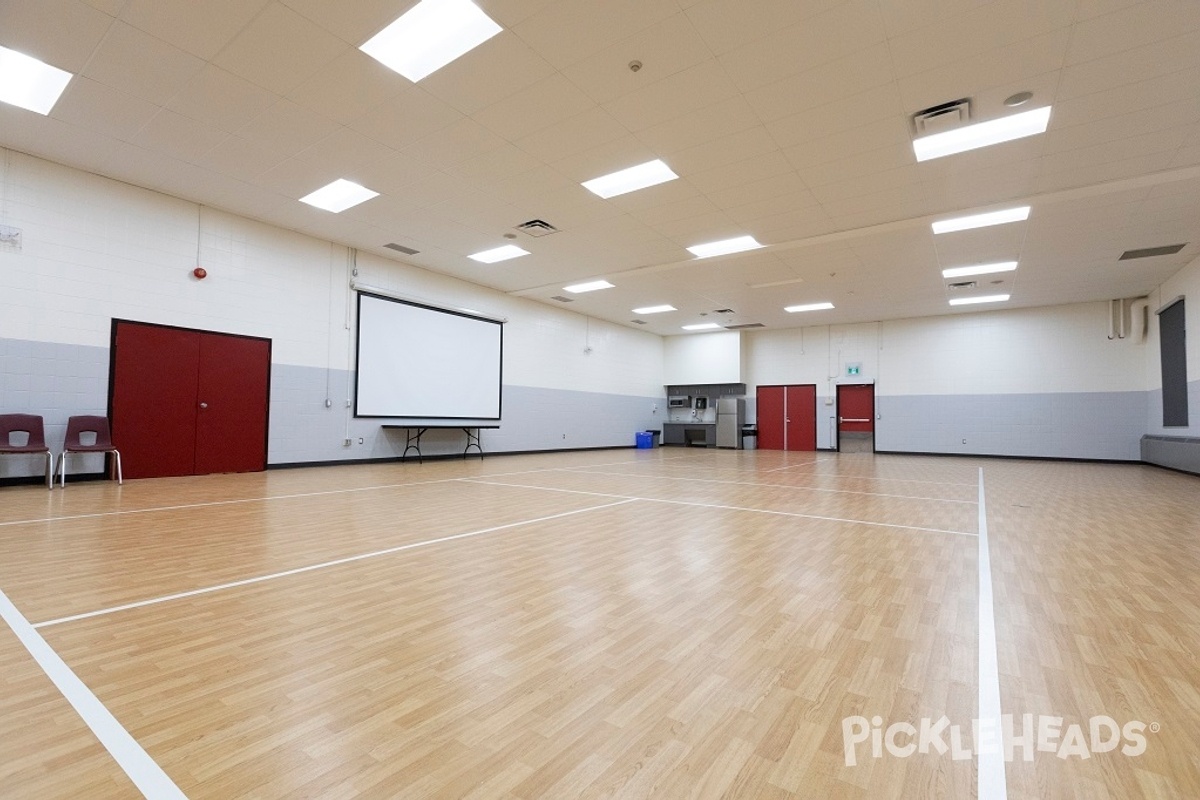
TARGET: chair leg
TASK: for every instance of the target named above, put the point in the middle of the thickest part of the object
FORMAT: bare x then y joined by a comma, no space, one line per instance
117,455
62,469
49,470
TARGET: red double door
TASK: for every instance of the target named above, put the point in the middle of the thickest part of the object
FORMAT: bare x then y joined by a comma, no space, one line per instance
787,417
188,402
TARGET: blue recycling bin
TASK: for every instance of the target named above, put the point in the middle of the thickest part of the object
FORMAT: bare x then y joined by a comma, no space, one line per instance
645,440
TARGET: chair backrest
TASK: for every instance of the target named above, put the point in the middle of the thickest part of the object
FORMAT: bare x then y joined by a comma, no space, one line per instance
77,426
22,423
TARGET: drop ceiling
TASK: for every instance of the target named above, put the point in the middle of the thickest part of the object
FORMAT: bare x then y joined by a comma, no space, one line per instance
786,120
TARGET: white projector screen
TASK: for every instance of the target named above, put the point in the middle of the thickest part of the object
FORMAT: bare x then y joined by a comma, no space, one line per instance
419,361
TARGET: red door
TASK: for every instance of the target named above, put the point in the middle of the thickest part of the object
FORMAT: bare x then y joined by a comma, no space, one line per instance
787,417
801,417
154,399
187,402
856,410
770,417
231,418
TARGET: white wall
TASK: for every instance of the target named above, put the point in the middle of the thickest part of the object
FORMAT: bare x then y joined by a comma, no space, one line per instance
703,358
94,249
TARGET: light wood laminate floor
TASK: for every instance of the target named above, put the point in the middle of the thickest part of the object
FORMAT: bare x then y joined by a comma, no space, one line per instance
663,623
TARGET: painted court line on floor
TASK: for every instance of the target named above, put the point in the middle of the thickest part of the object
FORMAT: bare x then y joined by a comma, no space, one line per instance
695,504
145,773
848,477
990,774
322,565
768,485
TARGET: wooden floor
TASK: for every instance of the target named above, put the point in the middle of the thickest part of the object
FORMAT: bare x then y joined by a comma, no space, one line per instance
662,623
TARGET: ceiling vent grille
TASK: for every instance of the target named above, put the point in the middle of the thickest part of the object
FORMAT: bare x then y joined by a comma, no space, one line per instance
562,299
399,248
744,325
956,287
537,228
722,311
638,321
1147,252
944,117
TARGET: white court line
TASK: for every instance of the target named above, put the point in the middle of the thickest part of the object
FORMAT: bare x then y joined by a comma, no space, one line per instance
323,565
296,496
722,507
803,464
147,775
848,477
765,485
990,774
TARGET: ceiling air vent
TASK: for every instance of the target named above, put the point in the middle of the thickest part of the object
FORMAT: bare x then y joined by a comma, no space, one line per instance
638,321
399,248
562,299
537,228
723,311
744,325
936,119
961,285
1147,252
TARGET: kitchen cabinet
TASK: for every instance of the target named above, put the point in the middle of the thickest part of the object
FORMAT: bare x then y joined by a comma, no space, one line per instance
697,434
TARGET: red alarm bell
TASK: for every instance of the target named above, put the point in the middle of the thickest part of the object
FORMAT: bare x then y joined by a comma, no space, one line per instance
200,272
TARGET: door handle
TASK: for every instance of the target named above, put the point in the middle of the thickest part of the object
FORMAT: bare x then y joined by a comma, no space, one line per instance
846,419
787,420
204,405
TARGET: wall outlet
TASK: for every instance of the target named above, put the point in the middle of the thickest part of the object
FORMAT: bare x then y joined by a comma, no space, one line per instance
346,443
360,440
564,436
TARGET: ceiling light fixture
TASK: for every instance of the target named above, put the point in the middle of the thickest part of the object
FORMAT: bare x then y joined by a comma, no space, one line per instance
985,220
724,247
654,309
979,269
338,196
28,83
429,36
703,326
590,286
631,179
986,298
808,307
982,134
499,254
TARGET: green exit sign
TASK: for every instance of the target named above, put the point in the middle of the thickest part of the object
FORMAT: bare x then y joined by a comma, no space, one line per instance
853,369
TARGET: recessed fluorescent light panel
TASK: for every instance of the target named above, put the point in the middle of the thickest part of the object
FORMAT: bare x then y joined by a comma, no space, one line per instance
429,36
982,134
28,83
628,180
703,326
590,286
979,269
724,247
654,309
499,254
987,298
809,307
1019,214
339,195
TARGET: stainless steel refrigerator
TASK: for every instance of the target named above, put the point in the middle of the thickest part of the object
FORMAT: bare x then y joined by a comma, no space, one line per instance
731,416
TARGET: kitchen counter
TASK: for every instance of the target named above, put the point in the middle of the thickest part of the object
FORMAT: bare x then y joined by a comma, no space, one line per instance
696,434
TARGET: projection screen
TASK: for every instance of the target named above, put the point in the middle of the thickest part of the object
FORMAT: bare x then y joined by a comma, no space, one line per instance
419,361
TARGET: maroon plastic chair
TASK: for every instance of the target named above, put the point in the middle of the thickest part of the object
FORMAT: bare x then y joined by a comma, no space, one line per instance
30,424
76,427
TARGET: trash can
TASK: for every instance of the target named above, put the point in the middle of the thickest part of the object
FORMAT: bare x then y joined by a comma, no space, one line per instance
655,437
644,440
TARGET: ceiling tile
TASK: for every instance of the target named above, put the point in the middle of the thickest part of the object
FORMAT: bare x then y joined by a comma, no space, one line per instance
682,93
546,103
591,128
346,153
62,33
740,173
1131,66
89,104
663,50
726,150
826,84
200,27
703,125
178,137
287,128
355,22
499,68
406,119
1131,27
238,156
141,65
569,31
279,50
349,87
726,25
217,98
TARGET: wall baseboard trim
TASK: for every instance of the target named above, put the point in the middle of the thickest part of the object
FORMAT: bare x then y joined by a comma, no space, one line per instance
40,480
1065,459
439,457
